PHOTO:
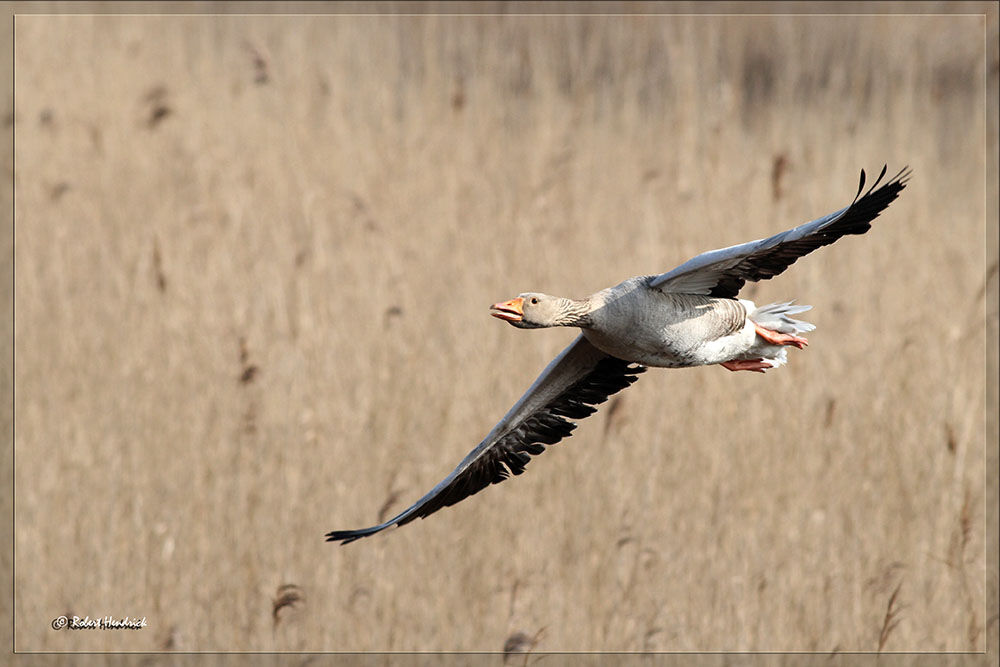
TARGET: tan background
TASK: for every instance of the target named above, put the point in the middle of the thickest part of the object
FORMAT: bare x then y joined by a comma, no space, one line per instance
253,261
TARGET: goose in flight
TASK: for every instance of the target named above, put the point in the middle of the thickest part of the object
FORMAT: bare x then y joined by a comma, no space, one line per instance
689,316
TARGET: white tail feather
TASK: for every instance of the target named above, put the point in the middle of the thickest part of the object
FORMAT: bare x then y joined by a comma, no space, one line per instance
778,358
775,316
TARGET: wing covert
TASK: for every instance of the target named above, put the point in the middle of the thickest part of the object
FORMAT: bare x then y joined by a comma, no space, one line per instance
570,387
723,272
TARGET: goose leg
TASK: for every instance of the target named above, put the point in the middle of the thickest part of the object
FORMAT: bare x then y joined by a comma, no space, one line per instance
778,338
746,365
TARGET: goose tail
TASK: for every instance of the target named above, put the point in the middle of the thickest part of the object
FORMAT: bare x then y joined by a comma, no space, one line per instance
775,316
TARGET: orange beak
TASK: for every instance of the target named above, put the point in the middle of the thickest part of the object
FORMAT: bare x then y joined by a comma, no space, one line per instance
509,310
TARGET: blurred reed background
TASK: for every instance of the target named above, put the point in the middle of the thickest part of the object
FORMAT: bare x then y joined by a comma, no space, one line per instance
254,257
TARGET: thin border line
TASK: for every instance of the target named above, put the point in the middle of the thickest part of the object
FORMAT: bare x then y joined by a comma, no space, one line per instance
986,168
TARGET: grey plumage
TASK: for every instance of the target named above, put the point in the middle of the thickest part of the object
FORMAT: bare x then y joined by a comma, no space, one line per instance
688,316
577,380
721,273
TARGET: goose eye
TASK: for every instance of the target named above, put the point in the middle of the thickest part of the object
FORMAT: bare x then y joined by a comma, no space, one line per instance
534,300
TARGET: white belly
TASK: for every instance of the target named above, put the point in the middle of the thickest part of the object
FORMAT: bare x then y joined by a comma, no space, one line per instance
673,349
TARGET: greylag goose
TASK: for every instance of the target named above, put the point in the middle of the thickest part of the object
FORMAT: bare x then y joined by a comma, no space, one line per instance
689,316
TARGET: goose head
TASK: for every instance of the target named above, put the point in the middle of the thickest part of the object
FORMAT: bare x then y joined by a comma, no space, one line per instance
533,310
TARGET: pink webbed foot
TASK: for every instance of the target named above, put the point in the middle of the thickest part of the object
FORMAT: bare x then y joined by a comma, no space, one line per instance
758,365
778,338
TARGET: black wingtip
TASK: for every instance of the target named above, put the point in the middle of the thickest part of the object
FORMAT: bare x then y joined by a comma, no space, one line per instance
877,180
903,176
861,186
348,536
896,184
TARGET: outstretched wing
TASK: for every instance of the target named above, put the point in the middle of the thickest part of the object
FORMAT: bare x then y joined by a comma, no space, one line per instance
570,386
721,273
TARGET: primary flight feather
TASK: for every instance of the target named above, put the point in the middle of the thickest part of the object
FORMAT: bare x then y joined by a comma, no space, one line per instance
689,316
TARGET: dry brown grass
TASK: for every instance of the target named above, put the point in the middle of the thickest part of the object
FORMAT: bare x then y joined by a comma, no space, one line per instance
254,258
